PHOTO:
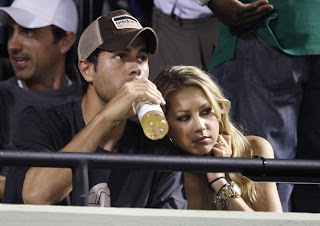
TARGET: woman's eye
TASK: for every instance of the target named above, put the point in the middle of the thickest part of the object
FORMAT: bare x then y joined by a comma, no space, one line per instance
183,118
206,111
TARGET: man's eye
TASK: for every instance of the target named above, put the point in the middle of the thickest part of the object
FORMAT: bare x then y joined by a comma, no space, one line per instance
142,58
120,56
9,31
183,118
29,32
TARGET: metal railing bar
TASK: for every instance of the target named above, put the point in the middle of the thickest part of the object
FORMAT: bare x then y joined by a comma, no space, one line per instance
80,178
256,169
248,166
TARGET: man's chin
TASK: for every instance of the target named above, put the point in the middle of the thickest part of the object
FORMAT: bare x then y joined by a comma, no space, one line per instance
22,76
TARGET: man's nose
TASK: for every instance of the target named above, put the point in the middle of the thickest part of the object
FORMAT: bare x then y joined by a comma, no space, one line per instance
135,69
14,42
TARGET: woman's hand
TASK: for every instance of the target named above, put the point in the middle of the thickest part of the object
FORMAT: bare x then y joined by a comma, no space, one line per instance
221,149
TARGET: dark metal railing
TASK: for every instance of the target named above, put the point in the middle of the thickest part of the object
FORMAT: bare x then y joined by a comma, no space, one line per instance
257,169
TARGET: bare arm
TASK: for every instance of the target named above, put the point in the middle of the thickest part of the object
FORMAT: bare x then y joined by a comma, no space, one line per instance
268,197
235,204
223,149
234,13
51,185
2,183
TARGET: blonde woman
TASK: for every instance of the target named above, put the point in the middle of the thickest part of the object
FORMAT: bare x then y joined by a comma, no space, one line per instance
197,113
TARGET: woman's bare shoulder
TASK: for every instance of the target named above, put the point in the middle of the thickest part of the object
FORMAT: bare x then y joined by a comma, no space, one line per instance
261,146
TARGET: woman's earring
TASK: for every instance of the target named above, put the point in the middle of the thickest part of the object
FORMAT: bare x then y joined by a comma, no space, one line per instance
171,140
221,127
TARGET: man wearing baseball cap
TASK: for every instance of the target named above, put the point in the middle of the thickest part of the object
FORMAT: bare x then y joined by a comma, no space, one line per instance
113,60
41,36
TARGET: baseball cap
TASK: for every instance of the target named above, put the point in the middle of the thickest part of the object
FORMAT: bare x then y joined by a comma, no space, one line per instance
42,13
114,31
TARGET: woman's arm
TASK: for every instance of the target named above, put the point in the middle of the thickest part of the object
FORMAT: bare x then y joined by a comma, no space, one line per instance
223,149
268,197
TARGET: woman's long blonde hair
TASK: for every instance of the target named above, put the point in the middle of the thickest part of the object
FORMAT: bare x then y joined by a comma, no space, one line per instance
171,80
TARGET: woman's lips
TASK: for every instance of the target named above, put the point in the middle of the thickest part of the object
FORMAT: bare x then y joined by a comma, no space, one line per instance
203,139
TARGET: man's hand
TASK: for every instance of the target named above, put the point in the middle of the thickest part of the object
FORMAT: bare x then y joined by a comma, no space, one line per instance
234,13
120,107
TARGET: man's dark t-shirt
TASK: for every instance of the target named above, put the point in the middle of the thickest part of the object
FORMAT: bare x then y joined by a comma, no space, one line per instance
51,128
13,99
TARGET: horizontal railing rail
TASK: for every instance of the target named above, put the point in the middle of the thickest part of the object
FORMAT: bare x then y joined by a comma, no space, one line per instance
257,169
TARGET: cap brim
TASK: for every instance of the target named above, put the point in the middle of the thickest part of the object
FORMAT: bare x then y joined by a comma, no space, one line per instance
21,17
127,38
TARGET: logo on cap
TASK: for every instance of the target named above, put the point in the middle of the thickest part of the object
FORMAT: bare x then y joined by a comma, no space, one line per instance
126,21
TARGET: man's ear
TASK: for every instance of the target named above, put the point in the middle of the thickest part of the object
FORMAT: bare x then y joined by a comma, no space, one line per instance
67,42
86,69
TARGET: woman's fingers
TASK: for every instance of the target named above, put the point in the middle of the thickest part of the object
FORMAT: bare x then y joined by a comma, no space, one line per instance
223,146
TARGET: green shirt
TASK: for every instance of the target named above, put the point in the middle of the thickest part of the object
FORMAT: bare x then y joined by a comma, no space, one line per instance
293,27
